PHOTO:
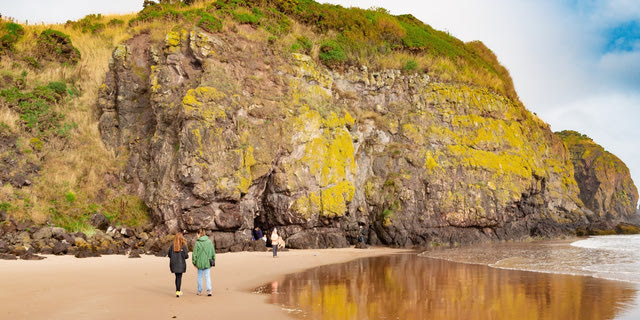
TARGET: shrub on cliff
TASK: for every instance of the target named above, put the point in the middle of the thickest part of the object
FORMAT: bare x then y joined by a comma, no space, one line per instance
332,54
302,45
36,110
210,23
56,46
90,23
10,33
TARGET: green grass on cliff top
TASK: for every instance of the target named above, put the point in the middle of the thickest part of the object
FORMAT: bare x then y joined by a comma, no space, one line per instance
350,37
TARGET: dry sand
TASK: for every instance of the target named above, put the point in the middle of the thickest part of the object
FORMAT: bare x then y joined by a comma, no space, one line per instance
117,287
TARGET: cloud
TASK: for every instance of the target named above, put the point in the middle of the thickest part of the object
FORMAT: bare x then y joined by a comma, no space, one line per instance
622,68
609,11
59,11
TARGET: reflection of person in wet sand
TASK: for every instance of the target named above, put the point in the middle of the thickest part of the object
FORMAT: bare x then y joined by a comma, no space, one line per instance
274,298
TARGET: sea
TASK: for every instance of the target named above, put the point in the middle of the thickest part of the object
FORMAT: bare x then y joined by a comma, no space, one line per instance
615,257
588,278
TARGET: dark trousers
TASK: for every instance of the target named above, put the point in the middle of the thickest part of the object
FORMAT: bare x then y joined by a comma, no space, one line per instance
178,281
275,250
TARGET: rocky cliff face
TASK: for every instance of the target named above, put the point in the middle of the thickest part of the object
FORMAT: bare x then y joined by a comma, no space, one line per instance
226,133
605,183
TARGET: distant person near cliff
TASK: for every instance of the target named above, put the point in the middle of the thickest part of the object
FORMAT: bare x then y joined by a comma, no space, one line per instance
275,241
256,233
203,253
178,254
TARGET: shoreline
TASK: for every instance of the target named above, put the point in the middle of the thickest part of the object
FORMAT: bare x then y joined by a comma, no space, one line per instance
118,287
523,256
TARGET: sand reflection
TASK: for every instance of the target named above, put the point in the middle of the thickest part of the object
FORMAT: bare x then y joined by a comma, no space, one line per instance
410,287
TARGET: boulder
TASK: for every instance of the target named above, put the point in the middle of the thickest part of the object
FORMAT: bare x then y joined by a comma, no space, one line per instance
43,233
99,221
9,226
61,248
58,233
361,245
257,245
223,241
313,239
23,238
8,256
86,253
31,256
68,238
128,232
23,225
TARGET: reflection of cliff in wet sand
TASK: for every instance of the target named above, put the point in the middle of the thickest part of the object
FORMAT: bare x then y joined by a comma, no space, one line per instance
411,287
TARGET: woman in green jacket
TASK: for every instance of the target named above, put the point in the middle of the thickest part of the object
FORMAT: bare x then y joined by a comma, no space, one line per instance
202,252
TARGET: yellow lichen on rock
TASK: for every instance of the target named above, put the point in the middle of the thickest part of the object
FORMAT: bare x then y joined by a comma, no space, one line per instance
120,52
328,157
203,103
173,41
306,68
201,43
330,202
243,174
155,85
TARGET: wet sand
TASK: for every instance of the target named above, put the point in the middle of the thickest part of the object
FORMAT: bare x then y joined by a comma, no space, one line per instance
407,286
116,287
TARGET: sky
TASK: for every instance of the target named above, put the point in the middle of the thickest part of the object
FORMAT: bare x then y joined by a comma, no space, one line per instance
575,63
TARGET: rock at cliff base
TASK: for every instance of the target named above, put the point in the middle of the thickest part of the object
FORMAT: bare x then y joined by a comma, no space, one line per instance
8,256
31,256
361,245
100,221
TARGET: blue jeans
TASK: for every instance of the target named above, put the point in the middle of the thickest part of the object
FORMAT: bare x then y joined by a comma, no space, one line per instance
207,279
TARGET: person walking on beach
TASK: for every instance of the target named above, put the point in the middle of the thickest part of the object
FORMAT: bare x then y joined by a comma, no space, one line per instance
178,255
203,251
274,242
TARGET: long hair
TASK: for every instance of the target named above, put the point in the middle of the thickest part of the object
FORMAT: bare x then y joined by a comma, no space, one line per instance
178,242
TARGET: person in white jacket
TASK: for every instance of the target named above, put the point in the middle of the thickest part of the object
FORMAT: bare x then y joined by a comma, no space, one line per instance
274,242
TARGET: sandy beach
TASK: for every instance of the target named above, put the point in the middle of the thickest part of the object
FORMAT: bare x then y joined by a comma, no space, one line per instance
117,287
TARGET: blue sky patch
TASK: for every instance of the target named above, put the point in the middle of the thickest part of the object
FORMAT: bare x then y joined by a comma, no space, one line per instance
624,37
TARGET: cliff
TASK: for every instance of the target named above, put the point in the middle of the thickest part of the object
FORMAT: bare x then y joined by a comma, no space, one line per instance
225,134
605,184
311,118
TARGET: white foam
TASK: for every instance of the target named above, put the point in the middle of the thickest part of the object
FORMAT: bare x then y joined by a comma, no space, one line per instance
615,257
629,243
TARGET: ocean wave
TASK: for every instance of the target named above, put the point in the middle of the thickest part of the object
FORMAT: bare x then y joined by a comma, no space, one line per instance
605,257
